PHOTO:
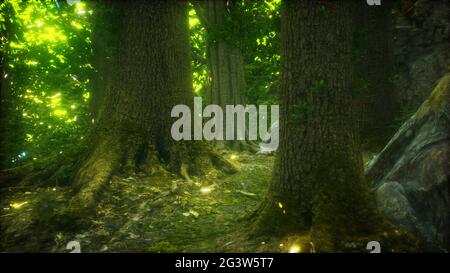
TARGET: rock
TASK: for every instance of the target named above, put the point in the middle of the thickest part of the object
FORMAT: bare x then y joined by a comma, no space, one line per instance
421,50
394,205
411,174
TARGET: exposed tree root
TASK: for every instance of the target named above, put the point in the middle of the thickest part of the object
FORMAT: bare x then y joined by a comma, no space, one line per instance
276,219
52,171
16,173
133,155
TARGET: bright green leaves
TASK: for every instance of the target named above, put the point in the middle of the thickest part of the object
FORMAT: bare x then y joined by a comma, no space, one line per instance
259,27
47,49
198,46
44,35
252,27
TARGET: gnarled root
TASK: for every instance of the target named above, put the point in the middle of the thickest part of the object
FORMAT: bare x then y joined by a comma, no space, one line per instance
135,155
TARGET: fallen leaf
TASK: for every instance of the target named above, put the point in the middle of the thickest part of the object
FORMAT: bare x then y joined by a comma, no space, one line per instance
193,212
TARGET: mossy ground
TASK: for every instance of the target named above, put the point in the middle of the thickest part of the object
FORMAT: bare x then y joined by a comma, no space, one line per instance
159,214
152,214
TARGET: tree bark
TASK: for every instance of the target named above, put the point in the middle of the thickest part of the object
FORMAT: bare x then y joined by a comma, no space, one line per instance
225,64
151,74
318,183
4,111
378,102
10,120
103,49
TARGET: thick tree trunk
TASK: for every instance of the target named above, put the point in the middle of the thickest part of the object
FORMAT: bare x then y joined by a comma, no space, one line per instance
318,182
152,73
225,64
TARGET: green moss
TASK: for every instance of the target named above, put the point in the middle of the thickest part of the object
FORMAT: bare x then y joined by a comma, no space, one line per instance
162,247
147,214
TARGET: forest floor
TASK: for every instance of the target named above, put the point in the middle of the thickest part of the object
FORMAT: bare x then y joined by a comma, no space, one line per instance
161,213
146,214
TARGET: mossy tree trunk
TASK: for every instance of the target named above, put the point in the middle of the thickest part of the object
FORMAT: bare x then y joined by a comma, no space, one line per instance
5,108
10,120
151,74
104,44
377,99
4,90
225,63
318,183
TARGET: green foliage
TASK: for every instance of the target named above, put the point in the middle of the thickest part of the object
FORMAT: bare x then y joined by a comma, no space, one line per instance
253,27
46,67
47,70
162,247
198,47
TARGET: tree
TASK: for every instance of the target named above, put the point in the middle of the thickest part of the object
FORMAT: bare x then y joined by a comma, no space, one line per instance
225,61
375,68
318,182
152,73
10,128
104,39
4,109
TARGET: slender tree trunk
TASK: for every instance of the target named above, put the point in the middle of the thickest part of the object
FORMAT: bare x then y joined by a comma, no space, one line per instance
151,74
225,63
318,183
10,122
4,110
4,92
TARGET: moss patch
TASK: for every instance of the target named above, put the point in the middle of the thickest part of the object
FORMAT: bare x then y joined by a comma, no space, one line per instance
161,213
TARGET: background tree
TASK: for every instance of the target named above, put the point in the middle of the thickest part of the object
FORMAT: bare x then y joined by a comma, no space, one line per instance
228,66
225,61
5,103
318,182
374,58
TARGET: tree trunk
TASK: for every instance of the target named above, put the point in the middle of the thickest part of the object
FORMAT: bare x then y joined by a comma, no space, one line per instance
152,73
11,125
318,183
378,102
103,50
4,109
225,64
